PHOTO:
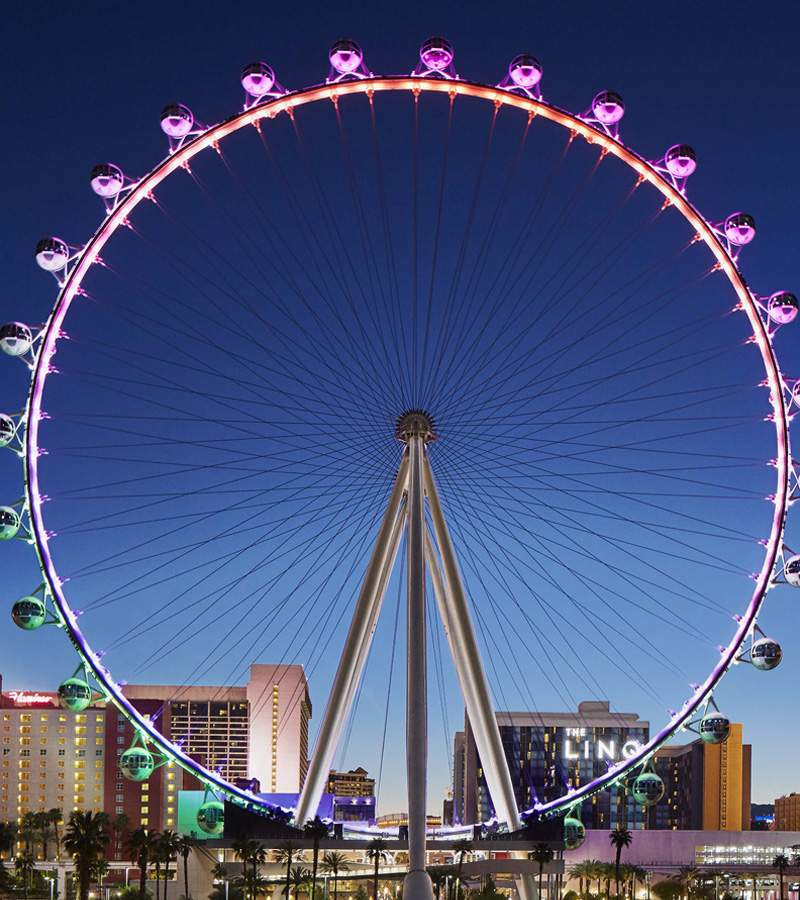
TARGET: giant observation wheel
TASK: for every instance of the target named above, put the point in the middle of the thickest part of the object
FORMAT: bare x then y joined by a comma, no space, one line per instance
244,375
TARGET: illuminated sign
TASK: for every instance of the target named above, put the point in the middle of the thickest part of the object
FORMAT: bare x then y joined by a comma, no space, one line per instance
577,745
23,698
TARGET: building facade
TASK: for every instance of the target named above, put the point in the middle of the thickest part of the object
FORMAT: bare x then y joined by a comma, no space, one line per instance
706,786
549,753
255,735
52,758
787,813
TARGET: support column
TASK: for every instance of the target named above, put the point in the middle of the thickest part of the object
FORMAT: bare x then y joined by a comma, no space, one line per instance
417,884
354,653
472,677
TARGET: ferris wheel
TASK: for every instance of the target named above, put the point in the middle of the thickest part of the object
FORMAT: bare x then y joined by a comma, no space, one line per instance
416,333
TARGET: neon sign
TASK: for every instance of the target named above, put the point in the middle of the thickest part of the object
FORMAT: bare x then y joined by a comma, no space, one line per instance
577,746
23,698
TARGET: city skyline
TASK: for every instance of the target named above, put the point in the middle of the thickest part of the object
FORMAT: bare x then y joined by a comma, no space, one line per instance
672,93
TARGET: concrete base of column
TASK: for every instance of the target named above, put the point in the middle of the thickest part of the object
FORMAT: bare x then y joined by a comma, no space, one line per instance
417,886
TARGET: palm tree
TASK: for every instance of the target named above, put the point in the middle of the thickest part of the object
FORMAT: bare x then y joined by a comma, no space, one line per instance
315,829
299,880
377,852
606,871
8,835
55,816
285,854
461,847
85,840
219,872
620,837
184,846
541,854
781,862
168,845
686,877
438,877
335,862
253,883
594,869
25,865
141,844
580,871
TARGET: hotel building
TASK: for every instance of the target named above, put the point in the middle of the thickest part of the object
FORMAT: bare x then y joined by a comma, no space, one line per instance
706,786
548,753
254,734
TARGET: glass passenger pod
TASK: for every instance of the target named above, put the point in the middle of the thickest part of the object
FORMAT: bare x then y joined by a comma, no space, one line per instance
714,728
107,180
436,54
782,307
9,523
648,789
791,570
74,694
740,228
525,71
137,764
7,430
52,254
574,833
176,120
258,79
766,654
608,107
16,339
680,161
211,817
346,56
28,613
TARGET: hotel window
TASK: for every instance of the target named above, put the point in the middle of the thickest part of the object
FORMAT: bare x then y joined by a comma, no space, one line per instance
119,810
80,730
62,729
43,729
24,741
80,742
24,729
62,741
145,809
98,729
144,821
25,718
80,718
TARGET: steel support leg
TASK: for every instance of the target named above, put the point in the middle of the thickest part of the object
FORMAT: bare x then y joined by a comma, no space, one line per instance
469,670
457,622
417,884
354,654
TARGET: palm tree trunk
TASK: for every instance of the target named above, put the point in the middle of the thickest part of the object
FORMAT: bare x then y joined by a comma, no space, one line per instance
335,883
158,879
186,875
314,869
142,877
288,875
377,868
541,869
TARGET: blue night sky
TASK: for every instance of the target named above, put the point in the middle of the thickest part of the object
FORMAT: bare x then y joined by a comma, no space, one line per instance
188,575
